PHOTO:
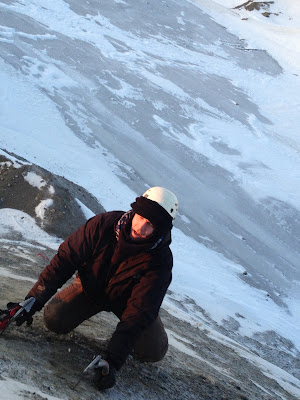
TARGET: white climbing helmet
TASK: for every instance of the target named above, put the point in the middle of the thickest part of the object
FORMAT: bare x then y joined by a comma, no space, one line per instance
165,198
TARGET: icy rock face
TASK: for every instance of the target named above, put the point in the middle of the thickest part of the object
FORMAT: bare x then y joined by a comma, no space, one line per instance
258,5
255,5
50,199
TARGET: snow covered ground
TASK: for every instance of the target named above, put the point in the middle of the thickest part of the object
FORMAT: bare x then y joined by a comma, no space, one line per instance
137,94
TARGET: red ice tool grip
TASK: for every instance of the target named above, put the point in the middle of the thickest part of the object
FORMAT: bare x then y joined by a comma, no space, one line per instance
9,315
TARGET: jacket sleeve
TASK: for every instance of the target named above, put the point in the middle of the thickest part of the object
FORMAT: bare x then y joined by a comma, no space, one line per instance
72,253
141,310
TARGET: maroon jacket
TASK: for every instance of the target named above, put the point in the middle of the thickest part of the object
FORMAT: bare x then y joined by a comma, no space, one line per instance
133,289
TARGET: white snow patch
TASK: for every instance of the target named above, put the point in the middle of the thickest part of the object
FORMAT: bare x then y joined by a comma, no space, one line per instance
6,164
42,207
9,164
48,76
16,163
86,211
19,251
8,274
15,390
51,189
35,180
159,105
39,182
19,243
205,238
179,343
14,220
283,378
180,21
184,218
124,90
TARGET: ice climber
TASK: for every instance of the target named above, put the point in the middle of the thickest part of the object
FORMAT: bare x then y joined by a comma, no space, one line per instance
123,264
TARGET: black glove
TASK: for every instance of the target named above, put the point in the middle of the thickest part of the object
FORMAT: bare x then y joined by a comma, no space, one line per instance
25,316
103,382
3,315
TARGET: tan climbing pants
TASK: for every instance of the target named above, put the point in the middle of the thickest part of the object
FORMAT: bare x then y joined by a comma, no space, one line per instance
70,307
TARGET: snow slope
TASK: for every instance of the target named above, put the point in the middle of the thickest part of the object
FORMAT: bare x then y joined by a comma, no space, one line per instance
279,33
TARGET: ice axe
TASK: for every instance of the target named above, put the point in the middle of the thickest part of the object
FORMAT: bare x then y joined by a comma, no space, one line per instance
9,316
97,362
